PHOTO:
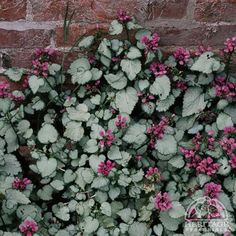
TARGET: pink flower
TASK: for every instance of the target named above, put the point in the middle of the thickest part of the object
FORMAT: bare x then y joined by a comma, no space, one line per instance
123,17
150,44
228,145
207,166
230,45
91,59
197,141
182,56
182,85
105,168
20,184
212,190
201,49
28,227
232,161
162,201
138,157
107,138
121,122
230,130
145,98
158,69
93,86
210,140
156,131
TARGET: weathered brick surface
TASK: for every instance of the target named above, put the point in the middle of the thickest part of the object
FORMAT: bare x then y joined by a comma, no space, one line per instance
11,10
24,39
215,10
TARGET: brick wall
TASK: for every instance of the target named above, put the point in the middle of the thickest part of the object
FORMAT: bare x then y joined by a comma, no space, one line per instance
27,24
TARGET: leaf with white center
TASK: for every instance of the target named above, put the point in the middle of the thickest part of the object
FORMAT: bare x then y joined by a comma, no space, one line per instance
114,153
11,139
138,228
80,71
91,146
57,184
161,87
115,28
46,166
11,165
47,134
135,134
74,131
206,63
177,162
99,182
126,100
62,213
143,84
167,145
131,68
80,113
114,192
164,105
169,223
106,208
91,225
5,104
86,42
117,81
225,200
16,196
14,74
177,210
193,101
54,68
35,83
134,53
94,161
223,120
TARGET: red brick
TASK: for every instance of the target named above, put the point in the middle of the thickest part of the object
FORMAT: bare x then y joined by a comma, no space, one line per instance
215,10
77,30
85,10
24,39
201,35
174,9
11,10
13,85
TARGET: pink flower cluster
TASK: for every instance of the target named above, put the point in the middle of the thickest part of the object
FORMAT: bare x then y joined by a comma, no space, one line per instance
182,56
107,138
211,140
41,61
156,131
224,88
182,85
121,122
207,166
212,190
5,93
28,227
153,174
158,69
20,184
230,45
162,201
228,144
93,86
201,49
145,98
197,139
105,168
150,44
123,17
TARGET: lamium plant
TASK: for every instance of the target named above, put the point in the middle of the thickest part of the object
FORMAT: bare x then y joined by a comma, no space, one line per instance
121,142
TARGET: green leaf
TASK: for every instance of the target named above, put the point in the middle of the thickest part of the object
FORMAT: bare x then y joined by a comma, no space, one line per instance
223,120
161,87
35,83
47,134
131,68
14,74
177,162
11,165
164,105
114,192
86,42
91,146
80,113
46,166
16,196
115,28
134,53
57,184
127,215
177,210
11,139
69,176
91,225
135,134
206,63
138,228
117,81
62,212
25,211
193,101
80,71
225,200
167,145
54,68
106,208
126,100
169,223
74,131
99,182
